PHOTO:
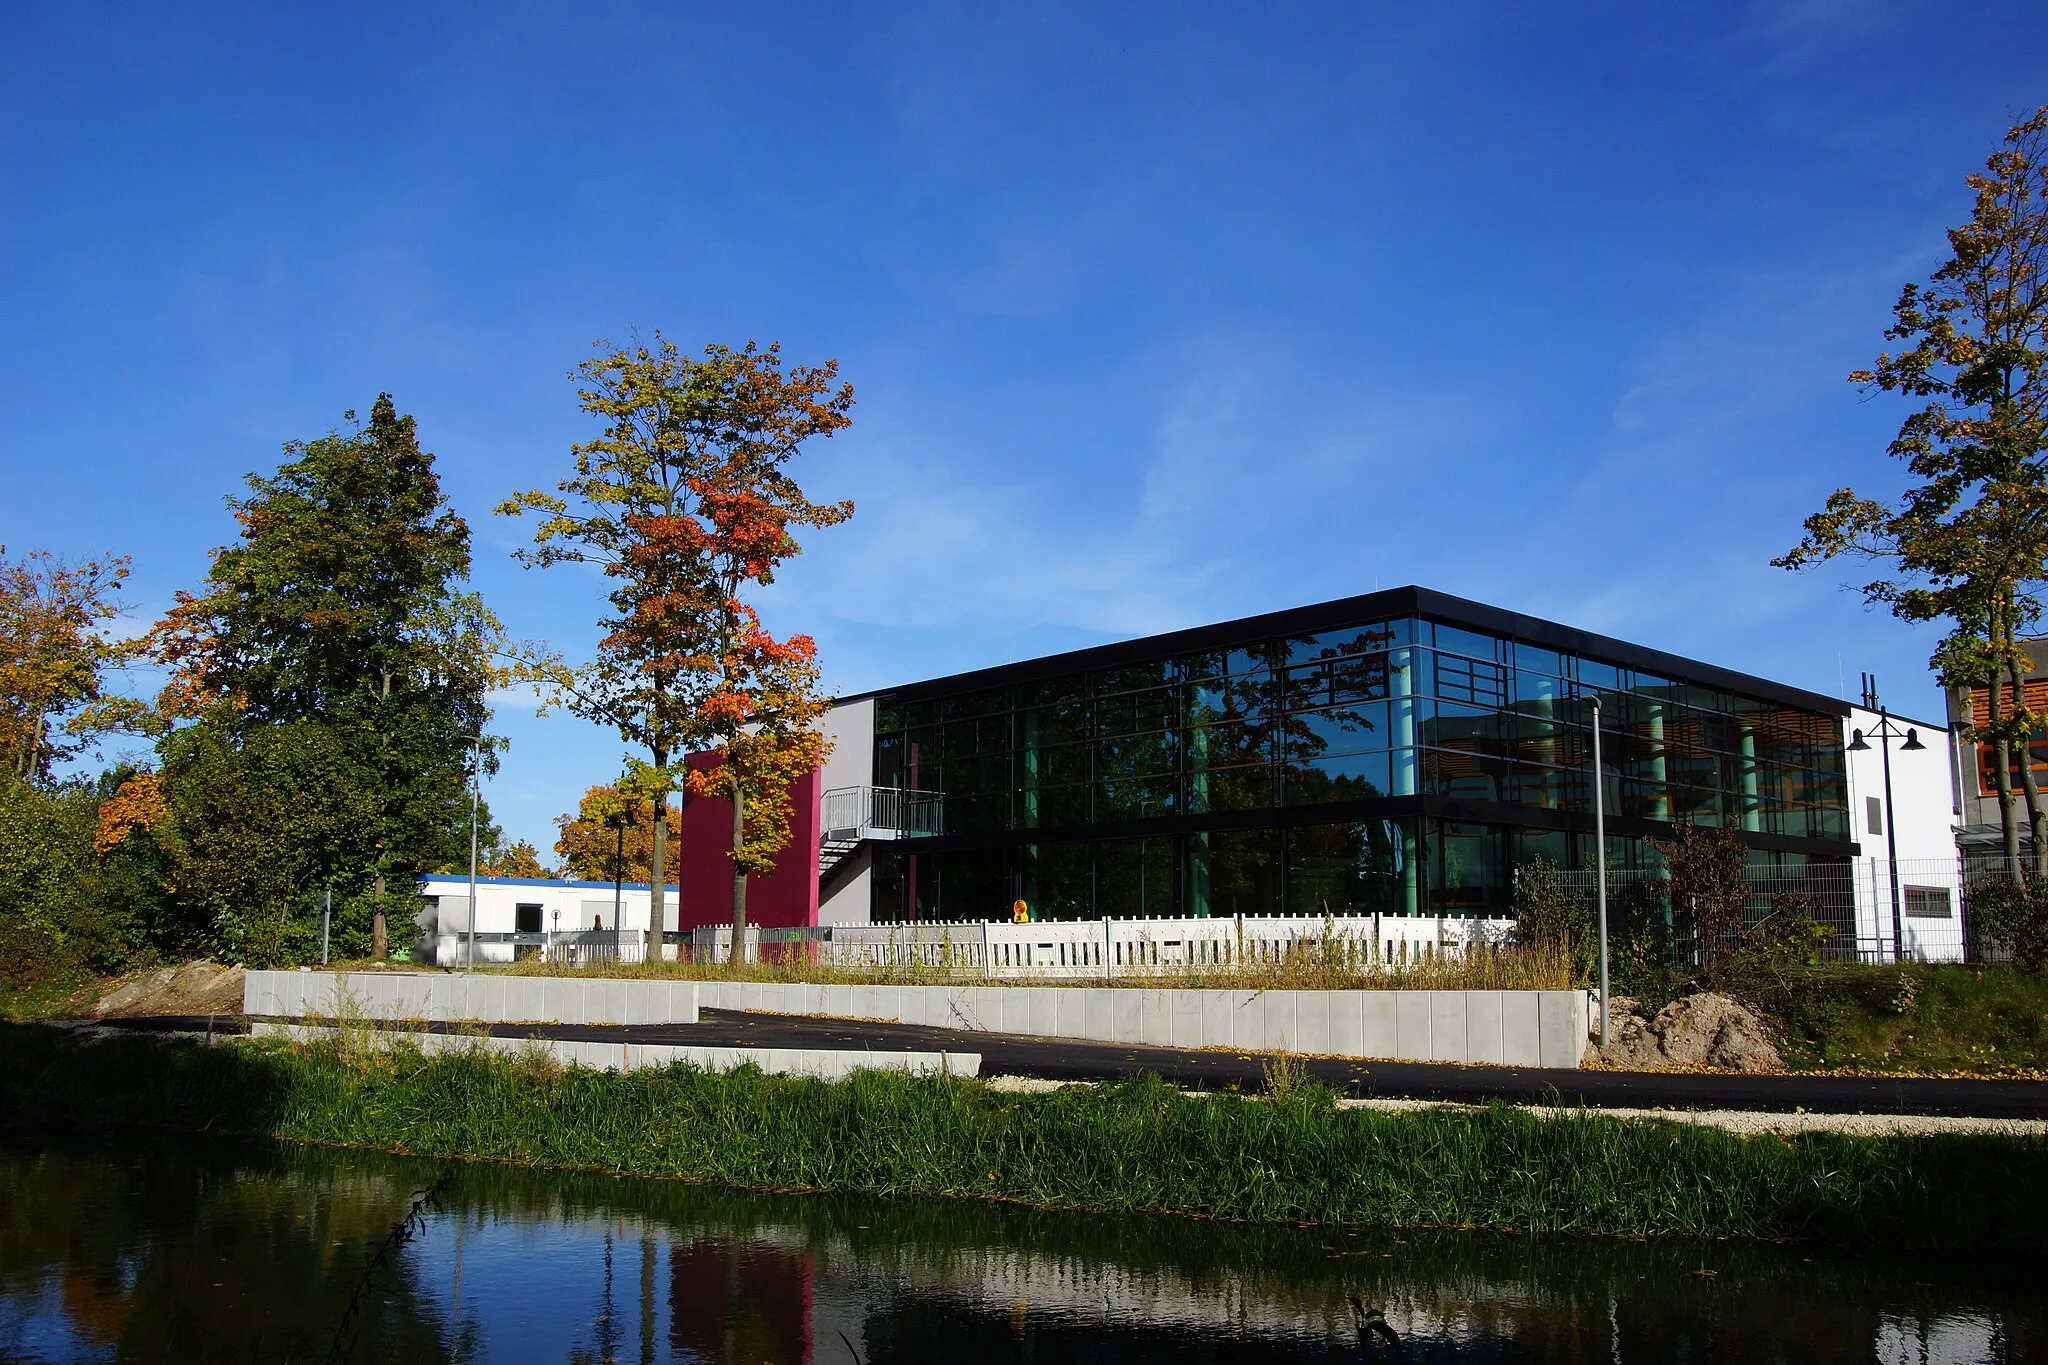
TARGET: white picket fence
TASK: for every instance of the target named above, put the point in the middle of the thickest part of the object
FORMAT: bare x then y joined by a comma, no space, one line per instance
1084,949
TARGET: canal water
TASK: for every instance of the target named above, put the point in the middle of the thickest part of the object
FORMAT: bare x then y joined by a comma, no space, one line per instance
181,1250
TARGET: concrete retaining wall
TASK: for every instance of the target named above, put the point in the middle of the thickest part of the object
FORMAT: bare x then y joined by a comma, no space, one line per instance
1513,1028
824,1064
488,998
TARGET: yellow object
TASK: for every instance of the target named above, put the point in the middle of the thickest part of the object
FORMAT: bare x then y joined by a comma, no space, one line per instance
1020,913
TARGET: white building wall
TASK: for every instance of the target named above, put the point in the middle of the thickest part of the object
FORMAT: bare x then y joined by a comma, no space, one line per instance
1924,819
851,728
566,907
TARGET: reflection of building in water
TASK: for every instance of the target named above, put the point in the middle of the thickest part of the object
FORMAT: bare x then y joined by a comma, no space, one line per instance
746,1302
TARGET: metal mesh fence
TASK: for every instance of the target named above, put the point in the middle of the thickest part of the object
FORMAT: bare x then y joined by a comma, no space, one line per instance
1925,918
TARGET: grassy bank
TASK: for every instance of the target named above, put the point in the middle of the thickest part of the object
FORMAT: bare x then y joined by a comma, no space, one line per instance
1125,1147
1948,1019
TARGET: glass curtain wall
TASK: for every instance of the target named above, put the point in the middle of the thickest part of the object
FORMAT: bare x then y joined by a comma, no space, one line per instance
1139,790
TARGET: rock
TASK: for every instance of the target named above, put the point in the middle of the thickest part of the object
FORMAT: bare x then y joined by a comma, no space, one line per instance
1713,1030
129,993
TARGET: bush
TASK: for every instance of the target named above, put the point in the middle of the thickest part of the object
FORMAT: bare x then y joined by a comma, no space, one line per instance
2014,917
1549,916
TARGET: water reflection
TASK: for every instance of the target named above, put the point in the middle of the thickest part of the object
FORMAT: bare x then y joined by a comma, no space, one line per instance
185,1251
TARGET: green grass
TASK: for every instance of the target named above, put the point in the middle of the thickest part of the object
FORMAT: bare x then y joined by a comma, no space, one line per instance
1913,1018
1124,1147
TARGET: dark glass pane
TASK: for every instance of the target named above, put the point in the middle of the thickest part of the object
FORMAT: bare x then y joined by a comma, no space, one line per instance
889,751
988,702
1135,678
1345,777
1344,729
1347,869
1236,868
1532,659
920,714
965,884
1466,776
1056,881
1470,872
1602,677
1471,680
1134,878
1140,797
1452,726
1349,643
1470,644
1225,789
888,714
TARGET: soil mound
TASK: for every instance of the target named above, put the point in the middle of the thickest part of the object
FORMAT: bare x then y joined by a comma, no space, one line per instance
194,988
1700,1030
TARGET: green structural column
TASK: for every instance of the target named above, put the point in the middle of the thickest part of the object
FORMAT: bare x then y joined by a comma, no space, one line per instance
1752,813
1198,875
1401,686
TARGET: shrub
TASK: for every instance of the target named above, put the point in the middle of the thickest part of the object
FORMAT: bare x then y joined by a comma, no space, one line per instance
1550,916
2014,917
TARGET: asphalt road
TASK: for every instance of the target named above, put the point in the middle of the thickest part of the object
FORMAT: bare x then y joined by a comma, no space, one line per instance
1063,1059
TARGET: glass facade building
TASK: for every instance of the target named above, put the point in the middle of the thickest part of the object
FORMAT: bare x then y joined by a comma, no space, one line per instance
1398,753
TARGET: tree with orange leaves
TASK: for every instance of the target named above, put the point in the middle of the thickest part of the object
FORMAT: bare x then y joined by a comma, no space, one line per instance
684,502
587,845
55,653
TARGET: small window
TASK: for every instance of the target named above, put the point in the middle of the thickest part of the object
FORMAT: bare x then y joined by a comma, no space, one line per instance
1874,810
1927,902
526,919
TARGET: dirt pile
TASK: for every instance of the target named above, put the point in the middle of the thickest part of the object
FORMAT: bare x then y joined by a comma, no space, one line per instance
1700,1030
194,988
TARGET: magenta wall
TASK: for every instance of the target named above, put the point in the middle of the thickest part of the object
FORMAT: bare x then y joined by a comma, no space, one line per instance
786,899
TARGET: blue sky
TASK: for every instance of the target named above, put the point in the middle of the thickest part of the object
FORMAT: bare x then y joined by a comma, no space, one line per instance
1157,314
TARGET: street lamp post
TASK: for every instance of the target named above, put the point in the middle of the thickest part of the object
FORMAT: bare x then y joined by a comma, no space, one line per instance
1600,862
1886,732
617,821
476,778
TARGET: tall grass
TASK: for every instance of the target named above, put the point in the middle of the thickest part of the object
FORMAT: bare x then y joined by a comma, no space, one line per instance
1131,1146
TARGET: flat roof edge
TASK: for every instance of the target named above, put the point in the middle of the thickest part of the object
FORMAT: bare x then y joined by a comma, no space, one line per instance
1403,601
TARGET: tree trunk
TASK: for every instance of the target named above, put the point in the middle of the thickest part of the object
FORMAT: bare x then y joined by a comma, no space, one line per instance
657,890
739,873
2037,814
2008,821
380,937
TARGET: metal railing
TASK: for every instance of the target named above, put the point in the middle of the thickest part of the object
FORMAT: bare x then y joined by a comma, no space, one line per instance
852,813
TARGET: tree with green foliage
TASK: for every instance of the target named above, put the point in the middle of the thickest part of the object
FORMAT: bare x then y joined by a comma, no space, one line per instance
328,691
1967,542
1708,880
1550,915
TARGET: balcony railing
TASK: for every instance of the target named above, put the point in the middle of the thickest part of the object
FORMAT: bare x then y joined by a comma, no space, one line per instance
850,814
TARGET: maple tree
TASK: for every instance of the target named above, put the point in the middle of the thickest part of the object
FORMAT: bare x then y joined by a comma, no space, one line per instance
1967,542
55,654
684,502
587,845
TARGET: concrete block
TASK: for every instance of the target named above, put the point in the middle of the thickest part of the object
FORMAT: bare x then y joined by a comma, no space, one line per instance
1519,1023
644,1002
563,1001
1447,1027
1561,1028
1483,1017
1379,1032
1155,1018
1100,1011
1347,1024
1187,1019
1042,1011
1248,1021
1283,1032
984,1005
487,997
1123,1016
1069,1013
1411,1026
1312,1022
606,1001
1219,1014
